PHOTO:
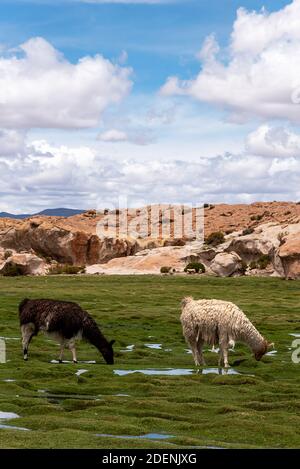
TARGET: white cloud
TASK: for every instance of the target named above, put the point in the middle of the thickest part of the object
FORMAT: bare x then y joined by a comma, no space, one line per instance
12,143
262,71
113,135
85,177
40,88
273,142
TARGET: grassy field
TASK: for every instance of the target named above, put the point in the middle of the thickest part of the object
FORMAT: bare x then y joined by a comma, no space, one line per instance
259,407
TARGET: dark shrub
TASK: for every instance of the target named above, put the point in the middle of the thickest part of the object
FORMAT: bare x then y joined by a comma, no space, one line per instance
197,266
66,269
165,270
263,261
12,270
247,231
7,254
215,238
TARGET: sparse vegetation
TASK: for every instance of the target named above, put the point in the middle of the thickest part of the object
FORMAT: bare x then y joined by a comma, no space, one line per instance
65,269
7,254
165,270
261,263
259,407
12,270
215,238
196,266
247,231
264,261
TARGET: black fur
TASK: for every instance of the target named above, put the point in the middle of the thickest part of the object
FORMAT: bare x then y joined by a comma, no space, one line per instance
67,319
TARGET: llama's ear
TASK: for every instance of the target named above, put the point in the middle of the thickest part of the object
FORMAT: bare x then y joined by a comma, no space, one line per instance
112,342
270,345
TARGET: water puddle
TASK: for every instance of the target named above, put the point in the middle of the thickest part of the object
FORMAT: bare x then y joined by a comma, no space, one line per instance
121,395
129,348
8,380
167,350
84,362
80,372
154,346
148,436
295,335
10,338
272,353
10,427
9,416
178,371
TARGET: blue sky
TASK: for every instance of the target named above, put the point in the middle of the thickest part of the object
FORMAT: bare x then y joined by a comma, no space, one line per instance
160,40
144,131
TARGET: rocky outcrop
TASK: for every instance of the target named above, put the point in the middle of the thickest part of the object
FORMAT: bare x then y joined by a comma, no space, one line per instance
289,256
23,264
262,229
226,264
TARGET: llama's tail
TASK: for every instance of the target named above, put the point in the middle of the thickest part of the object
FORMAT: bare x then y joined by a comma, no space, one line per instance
22,304
185,301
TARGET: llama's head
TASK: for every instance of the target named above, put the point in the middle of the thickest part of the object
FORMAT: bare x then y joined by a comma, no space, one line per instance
108,353
258,354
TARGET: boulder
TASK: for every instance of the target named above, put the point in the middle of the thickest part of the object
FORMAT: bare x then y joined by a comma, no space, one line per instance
226,264
23,264
289,255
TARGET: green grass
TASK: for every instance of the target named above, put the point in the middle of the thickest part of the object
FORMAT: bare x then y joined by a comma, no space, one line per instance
259,408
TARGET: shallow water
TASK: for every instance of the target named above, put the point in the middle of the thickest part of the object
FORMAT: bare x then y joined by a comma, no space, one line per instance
10,427
10,338
271,354
154,346
295,335
85,362
8,415
9,380
148,436
80,372
178,371
129,348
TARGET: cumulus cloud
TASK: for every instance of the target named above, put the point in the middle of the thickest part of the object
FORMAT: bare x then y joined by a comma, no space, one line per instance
40,88
273,142
261,76
113,135
12,143
137,136
85,177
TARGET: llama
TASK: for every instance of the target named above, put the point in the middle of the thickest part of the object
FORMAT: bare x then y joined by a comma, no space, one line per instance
65,322
218,322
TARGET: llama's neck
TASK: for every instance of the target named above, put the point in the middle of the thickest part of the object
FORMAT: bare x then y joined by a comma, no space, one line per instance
95,337
251,337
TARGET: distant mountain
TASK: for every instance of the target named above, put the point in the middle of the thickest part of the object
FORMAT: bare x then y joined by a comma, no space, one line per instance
50,212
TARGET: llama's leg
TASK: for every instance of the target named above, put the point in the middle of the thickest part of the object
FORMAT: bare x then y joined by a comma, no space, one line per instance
61,355
221,359
200,344
28,331
73,350
196,355
224,353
